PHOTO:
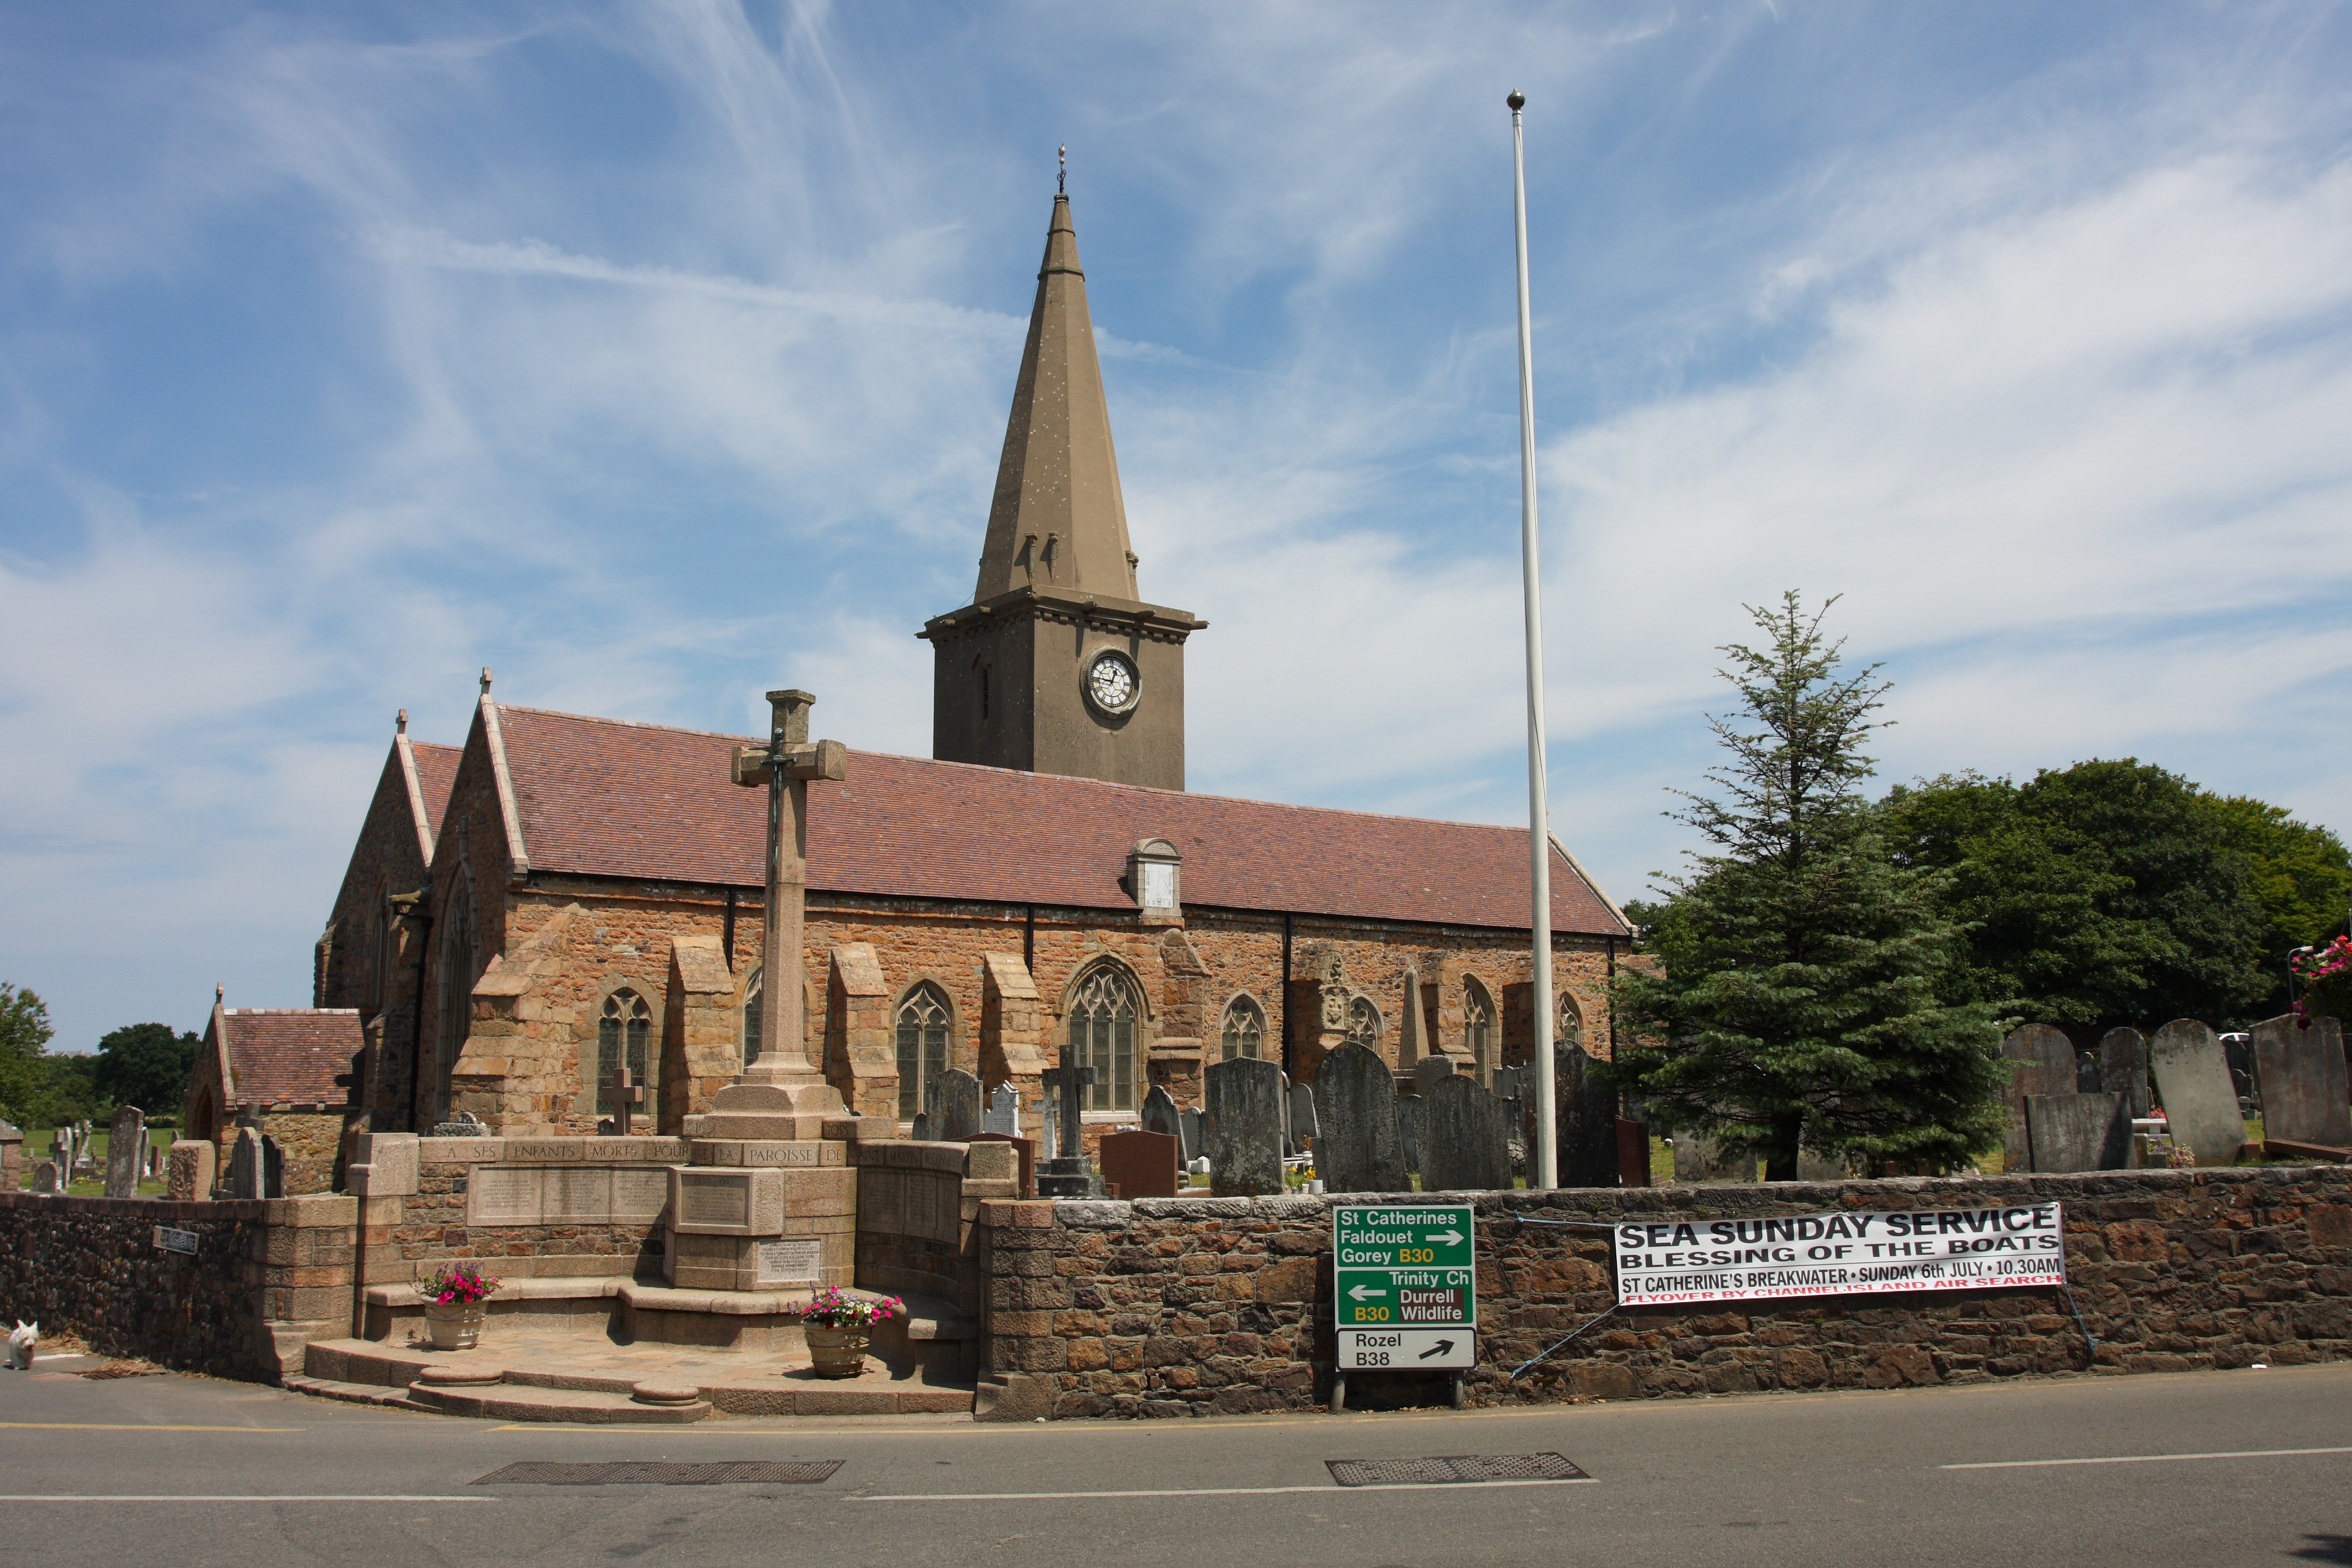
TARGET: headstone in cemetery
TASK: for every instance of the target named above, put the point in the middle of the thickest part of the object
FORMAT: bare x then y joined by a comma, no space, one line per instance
1462,1139
1068,1174
1244,1127
1408,1110
2079,1131
1049,1123
2123,1068
2086,1073
1140,1164
1585,1117
1813,1166
2300,1068
12,1152
1026,1151
246,1166
1700,1161
45,1178
919,1129
2192,1079
1003,1113
1159,1113
2239,1050
123,1152
1188,1127
1515,1086
951,1098
1429,1071
1632,1153
1298,1115
2045,1059
1361,1147
192,1170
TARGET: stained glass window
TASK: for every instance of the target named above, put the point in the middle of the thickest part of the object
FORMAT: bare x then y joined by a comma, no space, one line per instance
1102,1036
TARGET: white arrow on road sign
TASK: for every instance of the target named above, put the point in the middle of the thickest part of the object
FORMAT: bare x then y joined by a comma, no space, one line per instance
1360,1292
1451,1238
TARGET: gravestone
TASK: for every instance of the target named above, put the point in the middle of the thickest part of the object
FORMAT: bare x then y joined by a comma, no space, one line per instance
1243,1125
2239,1050
2123,1068
1633,1152
1431,1071
1462,1139
1024,1150
1699,1162
45,1178
1140,1164
1585,1119
2045,1059
2192,1079
1299,1116
2079,1131
2086,1073
1068,1174
1408,1111
919,1128
1361,1147
246,1165
2299,1068
1188,1127
123,1152
1049,1123
1515,1086
1003,1113
953,1100
192,1170
1161,1115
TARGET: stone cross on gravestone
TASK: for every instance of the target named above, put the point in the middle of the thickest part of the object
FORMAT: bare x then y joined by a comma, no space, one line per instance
782,1082
1069,1085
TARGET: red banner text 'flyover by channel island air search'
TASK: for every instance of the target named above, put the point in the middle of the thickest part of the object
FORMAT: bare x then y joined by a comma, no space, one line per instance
1843,1254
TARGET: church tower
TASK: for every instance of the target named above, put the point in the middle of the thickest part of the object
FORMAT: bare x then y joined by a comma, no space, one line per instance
1057,666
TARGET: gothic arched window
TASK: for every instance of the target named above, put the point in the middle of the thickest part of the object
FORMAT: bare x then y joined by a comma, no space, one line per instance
1479,1028
1571,1023
923,1019
1363,1023
1103,1018
624,1035
751,1004
1244,1028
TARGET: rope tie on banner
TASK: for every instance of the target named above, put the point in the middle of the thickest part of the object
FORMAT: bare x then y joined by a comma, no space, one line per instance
1532,1360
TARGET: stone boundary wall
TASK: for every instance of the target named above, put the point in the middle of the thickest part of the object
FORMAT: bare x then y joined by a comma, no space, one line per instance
91,1266
1206,1305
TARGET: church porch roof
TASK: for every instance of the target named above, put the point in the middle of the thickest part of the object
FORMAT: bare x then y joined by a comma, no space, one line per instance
289,1056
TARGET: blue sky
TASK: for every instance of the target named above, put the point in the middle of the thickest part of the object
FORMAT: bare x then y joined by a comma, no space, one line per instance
656,354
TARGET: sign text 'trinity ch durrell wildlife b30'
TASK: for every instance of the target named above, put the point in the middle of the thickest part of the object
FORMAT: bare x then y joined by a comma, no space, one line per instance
1404,1293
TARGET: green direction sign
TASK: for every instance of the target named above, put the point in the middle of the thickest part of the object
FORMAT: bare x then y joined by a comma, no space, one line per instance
1404,1268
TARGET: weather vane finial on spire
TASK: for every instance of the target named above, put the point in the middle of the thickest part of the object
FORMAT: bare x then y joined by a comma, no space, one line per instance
1062,180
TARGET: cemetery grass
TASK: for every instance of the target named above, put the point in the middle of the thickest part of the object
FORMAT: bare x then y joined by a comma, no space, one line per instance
45,1138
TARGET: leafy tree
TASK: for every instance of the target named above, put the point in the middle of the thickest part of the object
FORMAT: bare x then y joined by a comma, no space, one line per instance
1804,989
2300,874
25,1034
2109,892
146,1065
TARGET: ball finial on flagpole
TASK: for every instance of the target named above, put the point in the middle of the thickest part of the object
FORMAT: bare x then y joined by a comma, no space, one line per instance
1517,100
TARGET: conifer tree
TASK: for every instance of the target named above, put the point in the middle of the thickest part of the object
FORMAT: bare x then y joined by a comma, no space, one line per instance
1800,991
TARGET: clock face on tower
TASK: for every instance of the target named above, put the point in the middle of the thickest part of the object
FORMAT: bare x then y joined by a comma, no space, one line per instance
1112,683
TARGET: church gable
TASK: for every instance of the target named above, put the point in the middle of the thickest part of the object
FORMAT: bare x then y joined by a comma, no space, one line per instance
359,957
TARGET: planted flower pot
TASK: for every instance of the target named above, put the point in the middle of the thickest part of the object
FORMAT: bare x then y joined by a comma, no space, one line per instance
455,1325
837,1353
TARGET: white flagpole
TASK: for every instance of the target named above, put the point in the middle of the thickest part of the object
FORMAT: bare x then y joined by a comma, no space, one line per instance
1546,1170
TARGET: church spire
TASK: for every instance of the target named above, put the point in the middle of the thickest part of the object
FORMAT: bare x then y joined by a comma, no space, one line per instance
1059,519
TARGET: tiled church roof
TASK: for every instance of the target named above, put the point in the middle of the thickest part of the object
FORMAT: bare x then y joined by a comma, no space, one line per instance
282,1056
436,772
599,798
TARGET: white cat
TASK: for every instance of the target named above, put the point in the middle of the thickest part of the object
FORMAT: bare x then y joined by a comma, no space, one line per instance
21,1341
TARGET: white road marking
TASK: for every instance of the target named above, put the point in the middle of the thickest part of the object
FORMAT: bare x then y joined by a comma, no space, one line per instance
2142,1459
1330,1489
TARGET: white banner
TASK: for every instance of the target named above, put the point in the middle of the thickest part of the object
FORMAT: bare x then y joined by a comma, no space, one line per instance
1843,1254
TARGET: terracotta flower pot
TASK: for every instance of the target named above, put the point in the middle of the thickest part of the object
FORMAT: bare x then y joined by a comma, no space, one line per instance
455,1325
837,1353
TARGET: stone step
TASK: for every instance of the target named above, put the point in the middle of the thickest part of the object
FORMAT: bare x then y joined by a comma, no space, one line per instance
510,1402
355,1393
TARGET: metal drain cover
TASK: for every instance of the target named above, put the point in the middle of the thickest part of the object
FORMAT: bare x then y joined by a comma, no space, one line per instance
659,1473
1453,1470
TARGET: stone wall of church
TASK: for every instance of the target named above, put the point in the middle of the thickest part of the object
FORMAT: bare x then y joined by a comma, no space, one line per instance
469,861
370,959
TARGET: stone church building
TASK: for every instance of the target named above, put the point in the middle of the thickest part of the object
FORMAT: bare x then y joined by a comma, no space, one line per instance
564,897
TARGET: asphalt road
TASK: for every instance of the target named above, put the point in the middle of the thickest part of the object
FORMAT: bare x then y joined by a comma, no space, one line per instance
2186,1468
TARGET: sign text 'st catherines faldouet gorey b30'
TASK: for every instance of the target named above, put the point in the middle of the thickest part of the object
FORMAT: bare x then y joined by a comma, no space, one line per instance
1847,1253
